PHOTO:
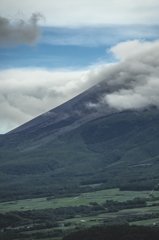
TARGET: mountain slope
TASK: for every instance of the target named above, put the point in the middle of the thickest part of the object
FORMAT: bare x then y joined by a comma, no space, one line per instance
118,150
73,113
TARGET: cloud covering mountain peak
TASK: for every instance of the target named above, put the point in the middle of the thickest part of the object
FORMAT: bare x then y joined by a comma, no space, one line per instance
137,75
133,83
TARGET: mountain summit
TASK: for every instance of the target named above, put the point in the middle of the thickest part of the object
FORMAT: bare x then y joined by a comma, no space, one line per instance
73,113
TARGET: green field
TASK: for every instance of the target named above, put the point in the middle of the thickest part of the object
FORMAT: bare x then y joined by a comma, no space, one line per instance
83,199
81,222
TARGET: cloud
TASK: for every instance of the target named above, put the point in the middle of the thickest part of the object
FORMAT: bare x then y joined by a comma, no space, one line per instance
27,93
87,12
133,83
135,79
19,31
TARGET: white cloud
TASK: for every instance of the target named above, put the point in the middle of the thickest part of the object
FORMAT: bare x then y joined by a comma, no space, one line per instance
26,93
133,83
135,77
86,12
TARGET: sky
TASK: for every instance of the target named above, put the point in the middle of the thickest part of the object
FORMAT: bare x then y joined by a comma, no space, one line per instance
50,51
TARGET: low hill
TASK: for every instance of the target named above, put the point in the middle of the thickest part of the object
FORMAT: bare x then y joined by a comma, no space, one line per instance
118,150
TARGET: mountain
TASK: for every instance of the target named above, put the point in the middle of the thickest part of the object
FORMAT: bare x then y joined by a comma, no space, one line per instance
78,148
70,115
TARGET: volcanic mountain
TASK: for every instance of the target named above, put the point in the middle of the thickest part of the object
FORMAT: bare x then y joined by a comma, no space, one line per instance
80,143
73,113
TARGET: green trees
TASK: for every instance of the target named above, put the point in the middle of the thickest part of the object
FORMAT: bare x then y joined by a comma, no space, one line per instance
115,206
117,151
115,232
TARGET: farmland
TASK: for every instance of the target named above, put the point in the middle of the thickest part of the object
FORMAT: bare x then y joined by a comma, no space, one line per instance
80,212
83,199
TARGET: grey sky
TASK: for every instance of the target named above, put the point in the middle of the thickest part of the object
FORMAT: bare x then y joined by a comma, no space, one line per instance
72,13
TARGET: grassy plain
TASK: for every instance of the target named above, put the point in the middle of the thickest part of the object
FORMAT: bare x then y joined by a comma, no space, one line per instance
83,199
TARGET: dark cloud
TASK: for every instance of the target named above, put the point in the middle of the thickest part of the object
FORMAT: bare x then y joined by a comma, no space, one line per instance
20,31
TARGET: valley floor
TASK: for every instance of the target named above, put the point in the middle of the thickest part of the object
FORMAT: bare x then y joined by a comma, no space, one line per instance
65,215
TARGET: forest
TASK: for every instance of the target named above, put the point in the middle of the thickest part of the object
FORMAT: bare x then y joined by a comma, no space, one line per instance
117,151
115,232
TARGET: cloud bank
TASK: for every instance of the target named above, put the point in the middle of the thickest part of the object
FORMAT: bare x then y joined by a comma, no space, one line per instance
87,12
19,31
26,93
136,75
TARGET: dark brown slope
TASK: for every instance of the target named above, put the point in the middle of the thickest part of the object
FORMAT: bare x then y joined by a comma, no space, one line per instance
72,113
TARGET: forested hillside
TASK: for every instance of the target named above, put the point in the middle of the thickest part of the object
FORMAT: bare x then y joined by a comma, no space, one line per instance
119,150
